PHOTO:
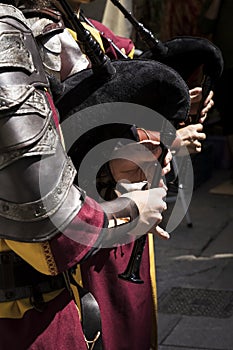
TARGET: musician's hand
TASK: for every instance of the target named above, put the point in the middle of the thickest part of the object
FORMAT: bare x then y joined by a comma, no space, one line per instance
150,204
190,137
135,162
196,96
145,135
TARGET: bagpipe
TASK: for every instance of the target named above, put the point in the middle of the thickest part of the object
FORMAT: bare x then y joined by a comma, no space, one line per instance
143,82
185,54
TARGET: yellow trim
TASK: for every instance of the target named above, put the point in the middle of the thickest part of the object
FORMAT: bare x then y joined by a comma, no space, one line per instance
131,54
154,291
38,255
97,36
78,276
17,308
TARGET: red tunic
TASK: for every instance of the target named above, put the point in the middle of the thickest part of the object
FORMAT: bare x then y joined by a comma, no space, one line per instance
126,308
58,326
119,41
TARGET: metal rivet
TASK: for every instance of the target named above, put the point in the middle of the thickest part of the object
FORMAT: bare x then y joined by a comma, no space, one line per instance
39,211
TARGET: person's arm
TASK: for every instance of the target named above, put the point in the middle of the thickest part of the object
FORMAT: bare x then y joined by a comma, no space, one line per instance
45,218
38,198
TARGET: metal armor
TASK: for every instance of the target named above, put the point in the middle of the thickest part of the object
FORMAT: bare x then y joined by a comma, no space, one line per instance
37,195
60,53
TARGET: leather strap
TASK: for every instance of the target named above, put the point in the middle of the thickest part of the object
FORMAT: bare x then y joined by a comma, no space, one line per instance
91,319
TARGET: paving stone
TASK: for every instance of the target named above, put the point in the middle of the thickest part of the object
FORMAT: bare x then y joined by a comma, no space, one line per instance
179,348
201,332
197,302
199,257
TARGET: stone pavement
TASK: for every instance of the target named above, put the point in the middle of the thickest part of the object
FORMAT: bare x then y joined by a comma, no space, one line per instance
195,275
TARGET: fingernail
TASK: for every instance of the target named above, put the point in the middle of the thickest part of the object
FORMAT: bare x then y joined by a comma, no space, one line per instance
166,234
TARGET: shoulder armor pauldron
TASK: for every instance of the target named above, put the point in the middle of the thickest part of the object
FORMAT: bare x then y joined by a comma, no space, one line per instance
37,196
23,104
24,116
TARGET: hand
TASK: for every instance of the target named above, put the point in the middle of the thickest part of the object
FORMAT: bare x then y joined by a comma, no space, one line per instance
135,162
150,204
190,137
196,96
145,135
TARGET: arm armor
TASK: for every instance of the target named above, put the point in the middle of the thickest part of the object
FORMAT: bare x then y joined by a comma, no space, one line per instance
37,195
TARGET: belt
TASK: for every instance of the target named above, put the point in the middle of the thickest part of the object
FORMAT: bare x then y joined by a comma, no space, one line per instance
20,280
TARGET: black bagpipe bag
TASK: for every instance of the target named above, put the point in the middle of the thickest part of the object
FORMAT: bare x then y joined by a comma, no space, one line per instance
142,82
186,54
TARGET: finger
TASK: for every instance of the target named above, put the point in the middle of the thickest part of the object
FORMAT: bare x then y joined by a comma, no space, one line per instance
161,233
196,143
168,157
159,192
164,206
195,99
209,97
166,169
198,149
202,119
195,147
198,127
199,136
195,91
207,107
162,184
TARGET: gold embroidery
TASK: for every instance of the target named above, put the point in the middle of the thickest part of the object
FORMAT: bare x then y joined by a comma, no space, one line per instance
49,258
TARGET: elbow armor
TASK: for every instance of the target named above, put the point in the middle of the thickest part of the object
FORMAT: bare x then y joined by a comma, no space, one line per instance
37,195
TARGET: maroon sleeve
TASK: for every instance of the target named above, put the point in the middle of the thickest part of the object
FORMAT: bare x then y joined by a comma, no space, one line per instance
83,232
120,42
79,237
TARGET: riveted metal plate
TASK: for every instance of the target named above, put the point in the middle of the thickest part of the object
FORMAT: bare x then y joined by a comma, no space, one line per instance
197,302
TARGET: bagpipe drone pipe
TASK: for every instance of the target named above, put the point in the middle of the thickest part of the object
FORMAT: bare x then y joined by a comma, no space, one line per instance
147,83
